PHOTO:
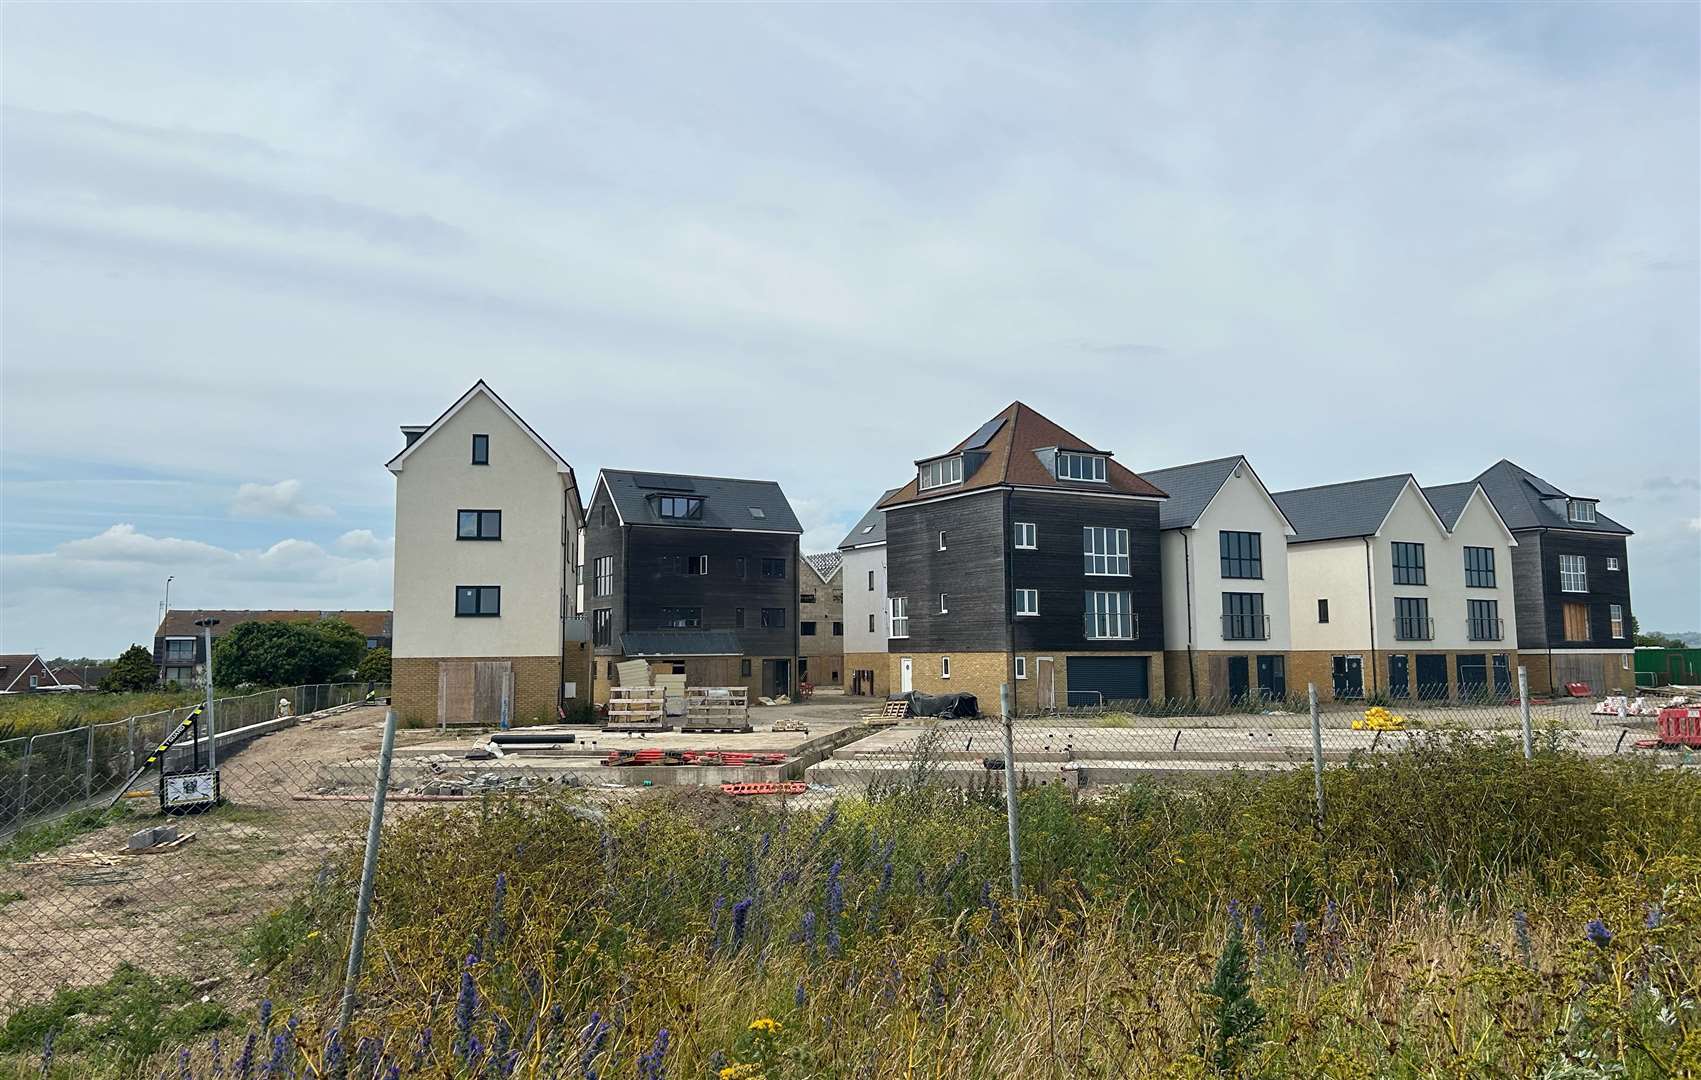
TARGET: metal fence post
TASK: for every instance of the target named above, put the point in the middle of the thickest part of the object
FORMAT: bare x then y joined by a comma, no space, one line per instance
1524,713
129,745
24,777
88,761
1623,714
1010,789
1316,748
368,870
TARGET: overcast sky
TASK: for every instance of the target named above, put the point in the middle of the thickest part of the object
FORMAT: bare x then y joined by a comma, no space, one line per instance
242,243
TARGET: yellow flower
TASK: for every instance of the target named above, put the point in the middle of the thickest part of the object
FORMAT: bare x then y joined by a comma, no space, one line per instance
767,1025
747,1071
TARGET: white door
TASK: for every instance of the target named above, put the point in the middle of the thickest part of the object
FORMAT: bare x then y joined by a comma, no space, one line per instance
1045,673
906,673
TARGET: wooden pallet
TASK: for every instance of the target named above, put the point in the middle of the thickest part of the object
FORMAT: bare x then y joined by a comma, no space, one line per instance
891,713
635,705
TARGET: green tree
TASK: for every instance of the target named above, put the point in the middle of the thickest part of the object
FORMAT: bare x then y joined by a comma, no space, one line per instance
285,654
134,670
374,666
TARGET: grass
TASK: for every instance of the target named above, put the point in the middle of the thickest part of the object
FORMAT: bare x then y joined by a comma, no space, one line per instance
33,714
57,833
1438,924
124,1022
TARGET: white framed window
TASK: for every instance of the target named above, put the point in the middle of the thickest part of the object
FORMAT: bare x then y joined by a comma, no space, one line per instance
944,609
1616,612
1106,551
1089,467
1110,616
939,473
941,540
696,565
1027,601
1581,510
900,608
1612,564
604,576
1021,667
1027,536
944,667
1573,573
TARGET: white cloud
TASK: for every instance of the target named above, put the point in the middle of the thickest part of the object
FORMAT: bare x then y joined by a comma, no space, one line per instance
280,500
365,542
1694,524
123,544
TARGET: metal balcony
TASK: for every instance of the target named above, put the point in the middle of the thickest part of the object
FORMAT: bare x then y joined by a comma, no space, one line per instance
1414,629
1253,627
1484,629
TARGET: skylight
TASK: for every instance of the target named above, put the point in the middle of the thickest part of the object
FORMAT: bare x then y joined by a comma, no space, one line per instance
757,512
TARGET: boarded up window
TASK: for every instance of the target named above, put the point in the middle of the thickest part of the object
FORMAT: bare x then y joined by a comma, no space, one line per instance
1576,622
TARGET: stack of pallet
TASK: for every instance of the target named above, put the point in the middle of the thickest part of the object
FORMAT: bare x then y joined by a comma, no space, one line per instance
636,708
717,709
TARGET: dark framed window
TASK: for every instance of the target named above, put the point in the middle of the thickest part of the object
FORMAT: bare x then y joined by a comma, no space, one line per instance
1242,554
1411,619
481,450
695,565
180,648
1482,620
806,598
871,626
475,601
1408,563
682,618
871,581
679,506
1479,567
807,629
604,579
838,629
773,568
738,567
773,618
478,525
602,626
738,618
1322,610
1243,617
744,668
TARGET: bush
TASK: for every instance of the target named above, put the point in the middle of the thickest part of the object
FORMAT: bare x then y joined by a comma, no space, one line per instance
374,666
133,670
286,653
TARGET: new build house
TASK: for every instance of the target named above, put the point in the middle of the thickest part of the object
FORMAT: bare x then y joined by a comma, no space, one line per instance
1225,576
1400,591
1571,571
820,620
694,573
1025,555
863,571
488,521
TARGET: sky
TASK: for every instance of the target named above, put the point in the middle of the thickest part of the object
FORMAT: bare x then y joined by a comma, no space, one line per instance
242,244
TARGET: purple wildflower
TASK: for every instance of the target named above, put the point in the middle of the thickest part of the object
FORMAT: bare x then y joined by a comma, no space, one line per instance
423,1048
650,1063
740,917
244,1064
265,1015
920,880
1237,917
499,895
394,1072
183,1065
474,1050
591,1039
47,1051
1521,931
1301,936
798,997
764,844
715,916
216,1051
835,891
1655,918
275,1064
1597,932
466,1006
334,1052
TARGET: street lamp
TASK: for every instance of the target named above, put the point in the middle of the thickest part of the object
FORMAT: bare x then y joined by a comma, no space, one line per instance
206,626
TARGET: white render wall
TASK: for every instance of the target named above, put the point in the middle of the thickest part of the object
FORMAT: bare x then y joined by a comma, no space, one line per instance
1332,570
860,601
1240,506
438,479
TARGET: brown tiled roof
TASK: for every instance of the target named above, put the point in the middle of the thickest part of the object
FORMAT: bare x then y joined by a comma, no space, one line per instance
1011,460
179,623
13,666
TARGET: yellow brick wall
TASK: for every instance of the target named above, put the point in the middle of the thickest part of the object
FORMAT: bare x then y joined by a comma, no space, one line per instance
875,662
982,674
414,681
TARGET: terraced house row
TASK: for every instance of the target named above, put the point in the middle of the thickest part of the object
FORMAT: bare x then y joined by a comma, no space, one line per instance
1022,555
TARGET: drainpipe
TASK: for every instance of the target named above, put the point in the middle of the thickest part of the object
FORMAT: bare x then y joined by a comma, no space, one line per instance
1187,579
1370,604
1009,600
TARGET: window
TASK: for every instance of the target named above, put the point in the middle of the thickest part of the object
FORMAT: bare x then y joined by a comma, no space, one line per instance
1408,564
940,473
773,618
1080,467
1242,554
807,629
1243,617
35,681
1580,510
602,626
1482,620
678,667
1411,619
806,598
1573,573
481,450
1479,567
943,608
900,617
1576,619
682,618
602,514
1027,601
1021,667
871,581
773,568
838,629
871,628
1027,535
695,565
941,540
604,580
182,676
1615,612
1106,551
1322,610
1612,564
478,600
371,643
758,513
478,525
182,648
679,506
944,667
744,668
738,618
1110,616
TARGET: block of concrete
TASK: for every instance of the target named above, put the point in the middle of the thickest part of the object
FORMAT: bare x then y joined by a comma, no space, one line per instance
152,837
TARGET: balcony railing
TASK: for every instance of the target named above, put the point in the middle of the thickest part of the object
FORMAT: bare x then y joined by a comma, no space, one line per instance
1414,629
1251,627
1123,626
1484,629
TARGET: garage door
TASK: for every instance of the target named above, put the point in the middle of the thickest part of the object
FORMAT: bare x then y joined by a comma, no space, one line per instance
1093,679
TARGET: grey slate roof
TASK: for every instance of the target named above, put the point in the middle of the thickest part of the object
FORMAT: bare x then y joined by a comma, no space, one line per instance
680,643
1334,511
1517,494
825,564
1449,501
1191,488
727,502
872,528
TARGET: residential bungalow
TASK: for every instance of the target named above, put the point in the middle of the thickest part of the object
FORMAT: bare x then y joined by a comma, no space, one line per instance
820,620
863,572
21,673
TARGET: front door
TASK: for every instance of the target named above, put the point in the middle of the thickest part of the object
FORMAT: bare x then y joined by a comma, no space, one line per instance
1399,675
1432,676
1045,682
1238,679
906,675
776,677
1348,674
1273,678
1502,676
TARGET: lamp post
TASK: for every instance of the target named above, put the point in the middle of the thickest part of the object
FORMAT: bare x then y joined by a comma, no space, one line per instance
206,626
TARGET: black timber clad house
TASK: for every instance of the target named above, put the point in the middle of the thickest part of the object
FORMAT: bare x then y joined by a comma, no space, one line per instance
694,570
1571,580
1024,555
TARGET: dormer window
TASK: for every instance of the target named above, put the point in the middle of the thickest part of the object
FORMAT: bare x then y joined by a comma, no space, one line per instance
681,507
1088,467
940,473
1580,510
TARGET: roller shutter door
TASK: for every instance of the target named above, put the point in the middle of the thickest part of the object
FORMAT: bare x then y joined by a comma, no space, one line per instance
1107,678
